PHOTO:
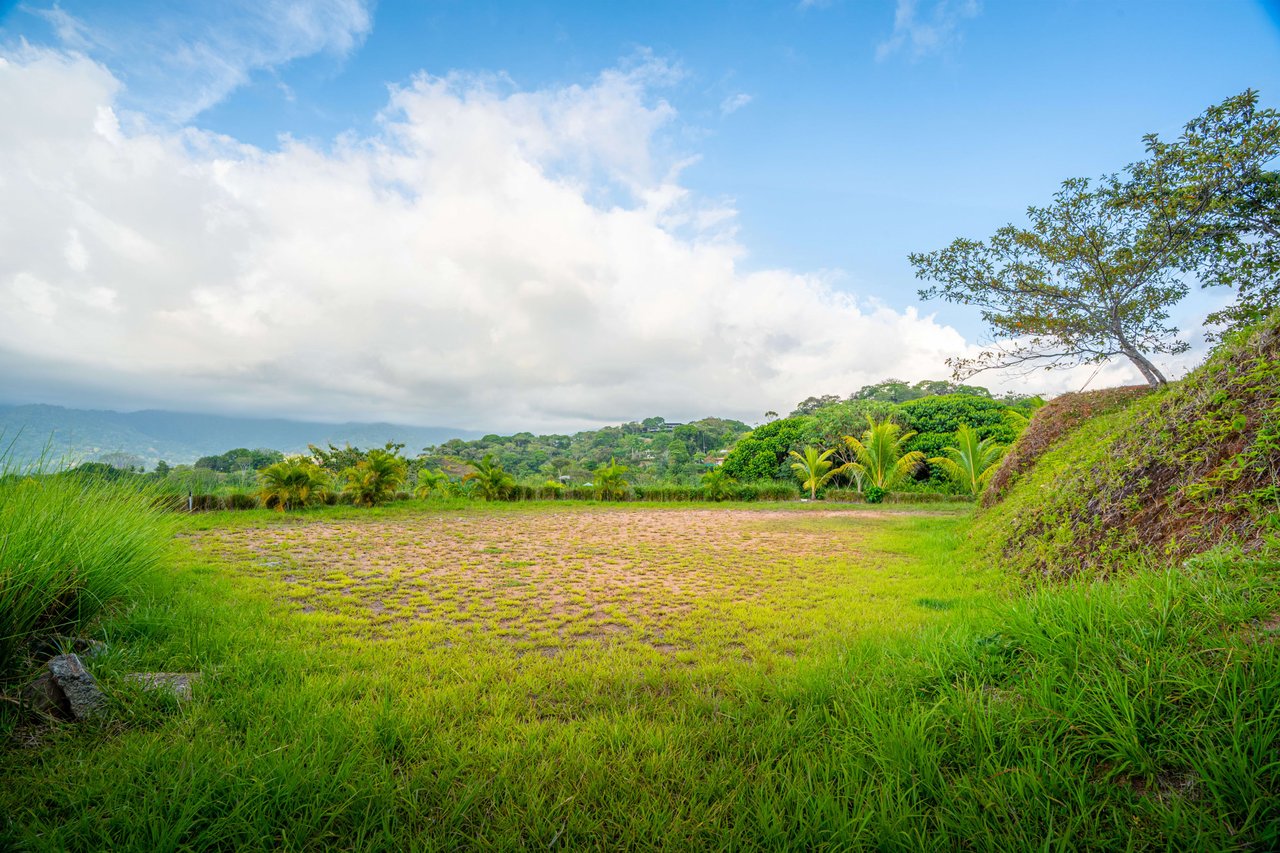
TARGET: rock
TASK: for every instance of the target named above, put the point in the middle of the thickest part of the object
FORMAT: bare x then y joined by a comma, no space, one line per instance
77,685
177,683
45,697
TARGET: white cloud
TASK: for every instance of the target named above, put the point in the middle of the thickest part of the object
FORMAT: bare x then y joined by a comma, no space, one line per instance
923,32
177,66
735,102
490,258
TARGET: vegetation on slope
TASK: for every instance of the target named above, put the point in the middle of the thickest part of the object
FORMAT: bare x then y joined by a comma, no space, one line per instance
1171,474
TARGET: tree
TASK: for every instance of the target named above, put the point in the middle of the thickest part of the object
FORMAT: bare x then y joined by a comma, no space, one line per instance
887,391
491,480
809,405
338,459
292,484
1212,190
972,461
1087,281
813,469
374,479
761,453
881,461
611,481
935,421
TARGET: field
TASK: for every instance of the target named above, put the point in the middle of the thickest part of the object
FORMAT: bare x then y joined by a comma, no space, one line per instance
550,676
655,587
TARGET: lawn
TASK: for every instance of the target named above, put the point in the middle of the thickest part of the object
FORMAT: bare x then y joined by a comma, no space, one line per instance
548,676
508,675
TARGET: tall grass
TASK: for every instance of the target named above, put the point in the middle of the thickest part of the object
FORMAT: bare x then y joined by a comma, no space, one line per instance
69,544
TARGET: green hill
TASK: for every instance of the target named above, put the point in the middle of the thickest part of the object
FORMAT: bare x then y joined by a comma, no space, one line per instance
1098,481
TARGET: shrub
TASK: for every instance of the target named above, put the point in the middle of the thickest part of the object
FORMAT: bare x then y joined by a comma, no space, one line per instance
376,478
292,484
874,494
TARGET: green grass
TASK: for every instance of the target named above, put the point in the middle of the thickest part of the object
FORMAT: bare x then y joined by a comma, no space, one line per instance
821,680
69,545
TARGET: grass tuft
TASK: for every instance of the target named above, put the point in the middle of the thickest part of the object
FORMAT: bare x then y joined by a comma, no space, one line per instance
69,545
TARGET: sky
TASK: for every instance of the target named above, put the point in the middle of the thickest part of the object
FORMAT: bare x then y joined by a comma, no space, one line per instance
550,216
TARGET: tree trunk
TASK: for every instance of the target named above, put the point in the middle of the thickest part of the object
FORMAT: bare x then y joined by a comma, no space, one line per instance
1149,371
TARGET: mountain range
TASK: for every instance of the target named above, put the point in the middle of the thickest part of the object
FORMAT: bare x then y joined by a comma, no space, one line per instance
68,436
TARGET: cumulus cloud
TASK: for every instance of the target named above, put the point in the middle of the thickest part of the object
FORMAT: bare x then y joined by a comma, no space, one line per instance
490,258
921,32
177,66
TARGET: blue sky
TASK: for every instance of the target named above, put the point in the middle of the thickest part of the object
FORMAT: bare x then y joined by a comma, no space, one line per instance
811,145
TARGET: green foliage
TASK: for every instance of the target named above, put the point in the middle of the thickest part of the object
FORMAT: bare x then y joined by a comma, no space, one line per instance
875,494
338,459
239,459
936,420
717,485
611,481
972,462
897,391
881,460
813,469
1213,193
762,453
651,449
375,479
812,404
70,545
293,484
431,483
491,481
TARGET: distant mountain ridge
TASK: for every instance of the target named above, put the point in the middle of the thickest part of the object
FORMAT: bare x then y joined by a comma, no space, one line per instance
78,435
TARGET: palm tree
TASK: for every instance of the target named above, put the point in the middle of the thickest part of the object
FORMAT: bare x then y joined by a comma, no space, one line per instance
878,456
430,481
375,479
492,482
716,484
814,469
292,484
610,480
972,462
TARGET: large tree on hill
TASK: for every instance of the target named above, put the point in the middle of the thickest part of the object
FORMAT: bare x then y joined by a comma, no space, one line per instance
1093,274
1086,281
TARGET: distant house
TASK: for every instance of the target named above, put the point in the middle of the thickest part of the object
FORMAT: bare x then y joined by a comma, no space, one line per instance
668,426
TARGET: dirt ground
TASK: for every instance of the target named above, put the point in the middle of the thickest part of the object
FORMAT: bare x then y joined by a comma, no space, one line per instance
547,581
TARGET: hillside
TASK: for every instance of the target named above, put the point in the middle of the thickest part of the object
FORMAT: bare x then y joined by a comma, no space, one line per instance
183,437
1102,480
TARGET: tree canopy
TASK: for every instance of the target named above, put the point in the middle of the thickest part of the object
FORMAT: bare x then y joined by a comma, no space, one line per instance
1219,200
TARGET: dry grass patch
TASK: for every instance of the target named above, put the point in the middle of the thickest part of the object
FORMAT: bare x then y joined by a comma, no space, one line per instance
734,584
